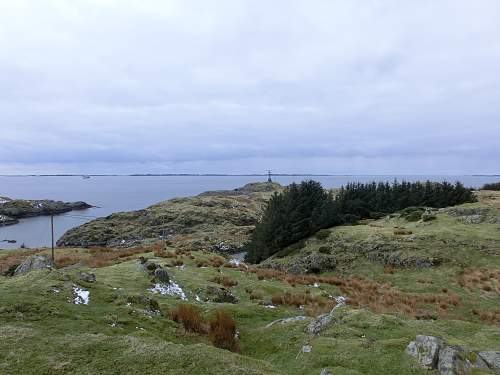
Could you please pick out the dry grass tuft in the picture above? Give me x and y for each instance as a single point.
(222, 331)
(224, 280)
(190, 318)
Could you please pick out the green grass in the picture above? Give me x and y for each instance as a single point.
(42, 332)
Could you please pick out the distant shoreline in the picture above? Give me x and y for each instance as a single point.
(236, 175)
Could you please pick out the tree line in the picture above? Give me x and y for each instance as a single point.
(303, 209)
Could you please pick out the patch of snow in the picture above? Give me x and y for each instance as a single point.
(181, 267)
(171, 289)
(306, 349)
(316, 285)
(341, 301)
(113, 324)
(82, 296)
(270, 306)
(235, 261)
(56, 290)
(197, 297)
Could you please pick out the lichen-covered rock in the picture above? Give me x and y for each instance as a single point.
(219, 295)
(87, 277)
(161, 276)
(313, 263)
(144, 303)
(426, 350)
(322, 321)
(287, 320)
(454, 360)
(34, 262)
(492, 359)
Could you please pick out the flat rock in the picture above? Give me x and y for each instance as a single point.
(492, 359)
(426, 350)
(34, 262)
(454, 360)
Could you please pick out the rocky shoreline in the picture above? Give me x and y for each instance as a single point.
(11, 210)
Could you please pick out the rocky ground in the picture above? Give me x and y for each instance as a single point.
(389, 296)
(13, 209)
(219, 221)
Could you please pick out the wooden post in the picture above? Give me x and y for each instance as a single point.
(52, 230)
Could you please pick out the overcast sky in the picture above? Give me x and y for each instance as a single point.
(356, 87)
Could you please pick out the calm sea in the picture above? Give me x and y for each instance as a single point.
(124, 193)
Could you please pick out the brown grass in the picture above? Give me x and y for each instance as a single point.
(224, 280)
(483, 279)
(190, 318)
(222, 331)
(488, 316)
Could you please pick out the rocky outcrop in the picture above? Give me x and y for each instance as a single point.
(426, 350)
(157, 272)
(322, 321)
(287, 320)
(34, 262)
(7, 220)
(215, 221)
(219, 295)
(87, 277)
(434, 353)
(13, 209)
(454, 360)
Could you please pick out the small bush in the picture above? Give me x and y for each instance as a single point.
(222, 331)
(190, 318)
(159, 250)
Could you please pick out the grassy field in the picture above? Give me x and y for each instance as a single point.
(42, 330)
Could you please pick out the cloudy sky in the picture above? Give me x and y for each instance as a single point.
(319, 86)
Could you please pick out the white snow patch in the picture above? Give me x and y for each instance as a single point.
(235, 261)
(270, 306)
(181, 267)
(316, 285)
(56, 290)
(171, 289)
(82, 296)
(197, 297)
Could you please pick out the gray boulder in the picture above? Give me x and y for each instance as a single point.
(161, 276)
(34, 262)
(322, 321)
(492, 359)
(88, 277)
(326, 371)
(454, 360)
(219, 295)
(287, 320)
(314, 263)
(426, 350)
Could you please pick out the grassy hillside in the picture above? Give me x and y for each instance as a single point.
(391, 299)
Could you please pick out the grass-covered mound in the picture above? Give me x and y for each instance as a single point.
(132, 325)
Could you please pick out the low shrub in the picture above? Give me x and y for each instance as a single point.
(190, 318)
(222, 331)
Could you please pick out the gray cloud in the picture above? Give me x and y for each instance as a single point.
(239, 86)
